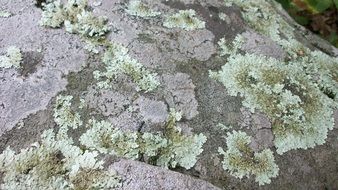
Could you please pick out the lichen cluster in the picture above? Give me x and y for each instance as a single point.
(298, 94)
(185, 19)
(301, 115)
(117, 61)
(57, 162)
(140, 9)
(12, 58)
(168, 150)
(5, 14)
(75, 16)
(241, 161)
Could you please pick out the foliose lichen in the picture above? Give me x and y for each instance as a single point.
(117, 61)
(5, 14)
(12, 58)
(64, 116)
(140, 9)
(54, 164)
(241, 161)
(168, 150)
(301, 114)
(75, 16)
(185, 19)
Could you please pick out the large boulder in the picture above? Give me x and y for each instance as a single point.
(189, 94)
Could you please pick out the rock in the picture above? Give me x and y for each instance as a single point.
(182, 62)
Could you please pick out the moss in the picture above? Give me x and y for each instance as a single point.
(240, 160)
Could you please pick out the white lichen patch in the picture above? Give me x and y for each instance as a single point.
(5, 14)
(75, 16)
(63, 114)
(301, 114)
(12, 58)
(56, 164)
(227, 48)
(241, 161)
(140, 9)
(185, 19)
(117, 61)
(169, 150)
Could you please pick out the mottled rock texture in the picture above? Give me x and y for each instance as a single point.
(55, 62)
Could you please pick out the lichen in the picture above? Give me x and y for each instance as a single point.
(301, 115)
(223, 127)
(241, 161)
(117, 61)
(12, 58)
(185, 19)
(140, 9)
(232, 48)
(64, 116)
(55, 164)
(75, 16)
(5, 14)
(171, 149)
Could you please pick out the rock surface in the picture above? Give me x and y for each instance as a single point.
(55, 62)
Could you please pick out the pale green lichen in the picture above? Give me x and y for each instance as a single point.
(5, 14)
(140, 9)
(91, 46)
(54, 164)
(223, 127)
(293, 93)
(65, 117)
(185, 19)
(117, 61)
(168, 150)
(231, 48)
(12, 58)
(301, 115)
(75, 16)
(63, 114)
(241, 161)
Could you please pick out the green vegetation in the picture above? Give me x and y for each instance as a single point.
(320, 16)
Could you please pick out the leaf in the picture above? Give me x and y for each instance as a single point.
(336, 3)
(318, 6)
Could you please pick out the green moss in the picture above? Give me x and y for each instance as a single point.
(240, 160)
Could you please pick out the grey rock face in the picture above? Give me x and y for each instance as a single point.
(55, 62)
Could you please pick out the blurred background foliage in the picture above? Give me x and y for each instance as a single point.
(320, 16)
